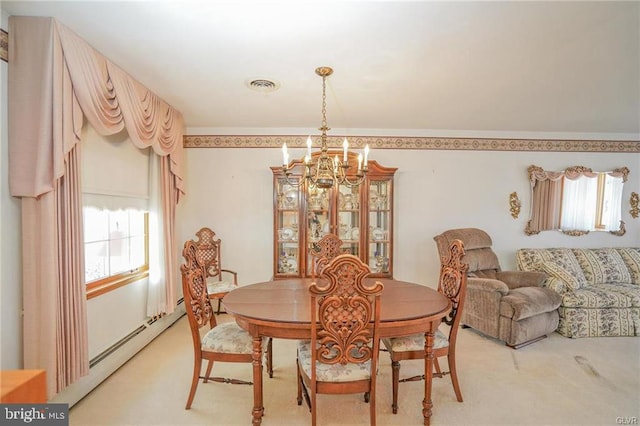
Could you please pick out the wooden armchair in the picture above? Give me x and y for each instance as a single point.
(208, 254)
(453, 284)
(225, 342)
(322, 252)
(342, 355)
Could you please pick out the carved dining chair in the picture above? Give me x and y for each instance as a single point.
(219, 281)
(328, 247)
(453, 284)
(342, 355)
(225, 342)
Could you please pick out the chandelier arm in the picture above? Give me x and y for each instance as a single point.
(353, 184)
(296, 183)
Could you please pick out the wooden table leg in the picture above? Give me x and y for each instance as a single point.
(258, 408)
(427, 404)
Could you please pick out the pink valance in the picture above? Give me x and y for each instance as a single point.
(107, 96)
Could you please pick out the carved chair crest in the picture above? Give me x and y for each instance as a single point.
(328, 247)
(208, 251)
(346, 311)
(453, 275)
(194, 286)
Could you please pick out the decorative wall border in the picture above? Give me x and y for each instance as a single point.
(428, 143)
(4, 45)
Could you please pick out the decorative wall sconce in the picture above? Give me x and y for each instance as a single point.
(514, 204)
(634, 205)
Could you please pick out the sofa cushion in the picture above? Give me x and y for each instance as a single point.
(602, 265)
(529, 259)
(631, 258)
(561, 263)
(525, 302)
(603, 296)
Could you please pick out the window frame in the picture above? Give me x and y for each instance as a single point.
(104, 285)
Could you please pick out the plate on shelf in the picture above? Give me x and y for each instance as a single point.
(291, 198)
(286, 234)
(355, 233)
(293, 264)
(377, 234)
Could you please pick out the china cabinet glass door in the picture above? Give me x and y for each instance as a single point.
(287, 224)
(348, 221)
(380, 226)
(319, 212)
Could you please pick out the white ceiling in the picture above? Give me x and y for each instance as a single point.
(516, 69)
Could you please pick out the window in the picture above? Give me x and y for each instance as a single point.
(591, 203)
(116, 247)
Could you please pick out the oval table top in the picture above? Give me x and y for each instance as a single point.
(286, 302)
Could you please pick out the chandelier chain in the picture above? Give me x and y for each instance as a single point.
(324, 104)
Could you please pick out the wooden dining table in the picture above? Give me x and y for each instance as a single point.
(280, 309)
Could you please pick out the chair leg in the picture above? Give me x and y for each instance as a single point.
(270, 358)
(299, 377)
(372, 407)
(208, 373)
(436, 365)
(395, 378)
(219, 306)
(197, 365)
(313, 407)
(451, 357)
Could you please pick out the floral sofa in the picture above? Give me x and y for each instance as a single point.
(600, 288)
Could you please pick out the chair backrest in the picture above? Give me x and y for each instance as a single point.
(482, 260)
(194, 289)
(453, 284)
(344, 327)
(323, 251)
(208, 250)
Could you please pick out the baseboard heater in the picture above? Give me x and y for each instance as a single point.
(106, 363)
(111, 349)
(94, 361)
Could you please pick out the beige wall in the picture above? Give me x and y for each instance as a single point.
(230, 190)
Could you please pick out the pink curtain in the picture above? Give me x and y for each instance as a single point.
(55, 79)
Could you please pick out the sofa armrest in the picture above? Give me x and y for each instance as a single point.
(516, 279)
(487, 285)
(557, 285)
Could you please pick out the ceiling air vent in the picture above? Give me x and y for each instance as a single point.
(263, 85)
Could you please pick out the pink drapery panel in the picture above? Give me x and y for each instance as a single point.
(55, 78)
(546, 201)
(43, 162)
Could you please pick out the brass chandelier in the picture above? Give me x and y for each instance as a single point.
(325, 172)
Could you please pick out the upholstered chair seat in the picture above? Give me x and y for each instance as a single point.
(216, 287)
(415, 342)
(332, 372)
(229, 338)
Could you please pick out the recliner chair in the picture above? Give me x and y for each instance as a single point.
(511, 306)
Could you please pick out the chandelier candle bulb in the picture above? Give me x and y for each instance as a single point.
(285, 155)
(366, 155)
(345, 145)
(359, 162)
(309, 142)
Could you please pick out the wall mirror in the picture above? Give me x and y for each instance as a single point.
(576, 201)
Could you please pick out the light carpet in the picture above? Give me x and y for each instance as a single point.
(557, 381)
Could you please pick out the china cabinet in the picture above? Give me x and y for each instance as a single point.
(361, 216)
